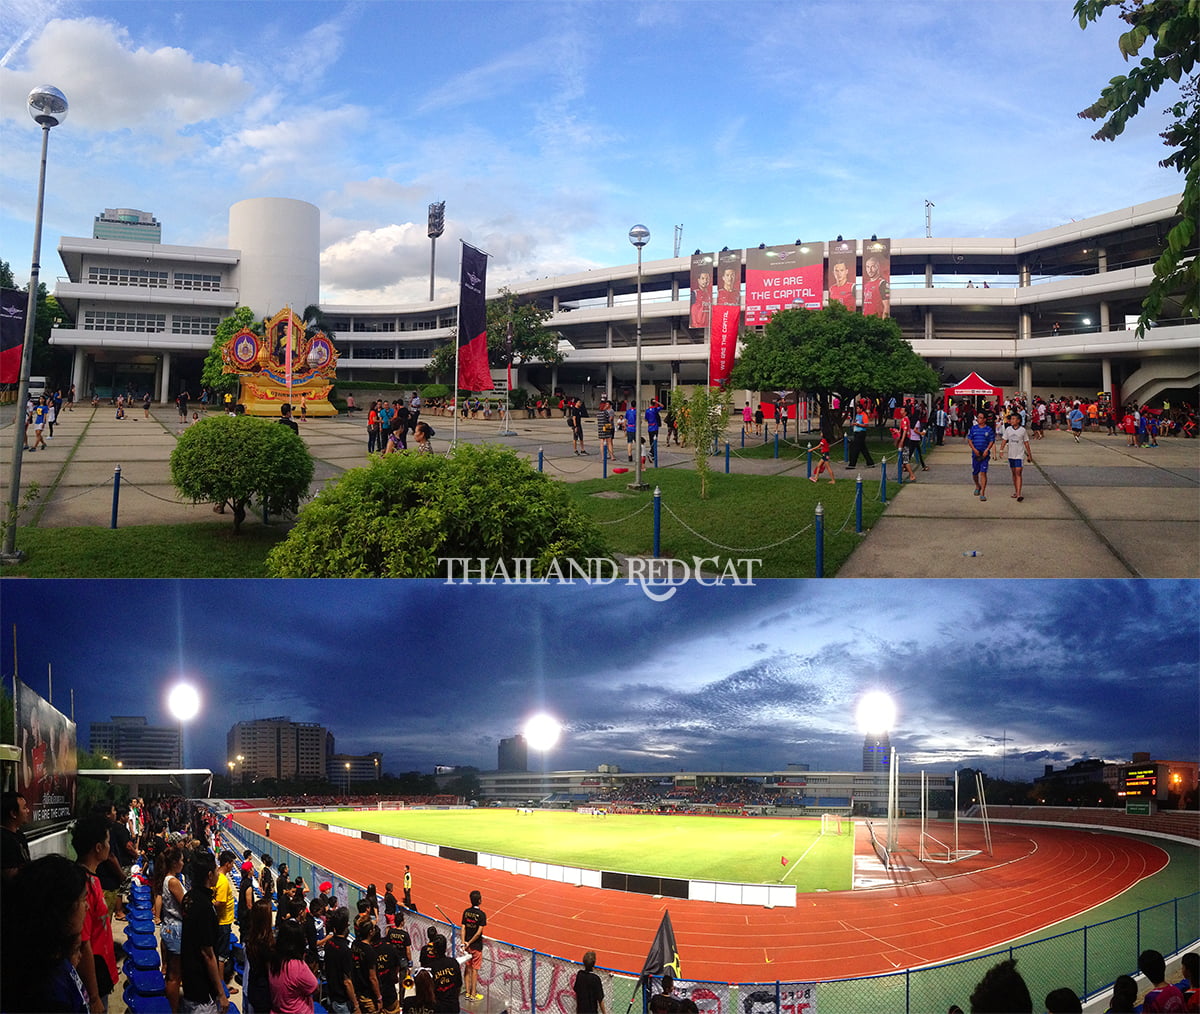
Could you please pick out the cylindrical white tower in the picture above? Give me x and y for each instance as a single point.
(280, 244)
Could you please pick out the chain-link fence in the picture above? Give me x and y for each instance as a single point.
(1085, 960)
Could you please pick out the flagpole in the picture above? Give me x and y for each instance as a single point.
(506, 422)
(288, 354)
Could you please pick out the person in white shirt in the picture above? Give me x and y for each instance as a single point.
(1016, 444)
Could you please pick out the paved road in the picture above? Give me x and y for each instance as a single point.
(1094, 509)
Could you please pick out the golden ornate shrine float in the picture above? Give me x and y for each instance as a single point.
(261, 364)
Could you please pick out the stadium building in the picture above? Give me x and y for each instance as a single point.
(843, 792)
(1047, 313)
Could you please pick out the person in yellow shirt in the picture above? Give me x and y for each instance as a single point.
(225, 903)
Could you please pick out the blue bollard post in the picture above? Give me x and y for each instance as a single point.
(604, 473)
(116, 494)
(808, 455)
(541, 456)
(657, 520)
(883, 482)
(743, 436)
(766, 435)
(655, 455)
(845, 447)
(777, 443)
(858, 528)
(820, 525)
(726, 457)
(900, 469)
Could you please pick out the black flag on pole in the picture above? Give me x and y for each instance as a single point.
(473, 372)
(664, 954)
(13, 305)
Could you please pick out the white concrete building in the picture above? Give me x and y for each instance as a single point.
(1055, 315)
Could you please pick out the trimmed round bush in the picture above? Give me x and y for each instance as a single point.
(237, 461)
(403, 512)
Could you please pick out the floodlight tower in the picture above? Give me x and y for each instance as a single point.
(437, 225)
(542, 733)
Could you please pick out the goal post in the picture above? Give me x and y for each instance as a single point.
(831, 823)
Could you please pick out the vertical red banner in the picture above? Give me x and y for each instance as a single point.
(877, 278)
(723, 343)
(701, 285)
(473, 372)
(841, 277)
(781, 278)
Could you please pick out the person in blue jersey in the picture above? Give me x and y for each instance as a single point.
(980, 439)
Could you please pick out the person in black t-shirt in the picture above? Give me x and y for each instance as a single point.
(447, 979)
(387, 969)
(14, 847)
(428, 952)
(473, 921)
(362, 957)
(589, 989)
(202, 983)
(339, 965)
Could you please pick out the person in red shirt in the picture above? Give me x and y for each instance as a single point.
(1164, 996)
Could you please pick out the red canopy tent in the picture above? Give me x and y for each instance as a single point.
(972, 386)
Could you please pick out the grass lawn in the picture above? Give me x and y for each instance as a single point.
(745, 517)
(734, 849)
(196, 549)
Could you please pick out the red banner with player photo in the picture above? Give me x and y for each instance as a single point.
(877, 278)
(840, 276)
(729, 278)
(782, 278)
(723, 346)
(701, 286)
(48, 765)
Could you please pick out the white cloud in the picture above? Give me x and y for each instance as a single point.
(113, 84)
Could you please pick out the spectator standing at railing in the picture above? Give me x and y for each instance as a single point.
(363, 962)
(203, 987)
(339, 965)
(389, 904)
(589, 988)
(473, 922)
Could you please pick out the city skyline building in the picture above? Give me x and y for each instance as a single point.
(513, 754)
(876, 753)
(127, 224)
(134, 742)
(278, 748)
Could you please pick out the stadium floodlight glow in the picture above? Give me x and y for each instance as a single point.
(542, 732)
(876, 712)
(183, 701)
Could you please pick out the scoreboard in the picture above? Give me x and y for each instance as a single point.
(1141, 782)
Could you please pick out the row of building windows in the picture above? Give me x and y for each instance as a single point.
(388, 352)
(124, 320)
(341, 325)
(206, 326)
(115, 274)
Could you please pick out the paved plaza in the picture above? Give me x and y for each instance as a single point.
(1094, 509)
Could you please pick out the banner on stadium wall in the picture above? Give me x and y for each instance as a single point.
(701, 286)
(48, 766)
(877, 278)
(723, 343)
(782, 277)
(841, 275)
(729, 278)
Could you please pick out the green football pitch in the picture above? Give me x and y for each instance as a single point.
(733, 849)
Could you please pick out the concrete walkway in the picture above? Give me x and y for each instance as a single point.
(1094, 509)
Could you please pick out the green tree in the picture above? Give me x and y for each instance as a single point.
(1171, 26)
(315, 322)
(213, 375)
(234, 461)
(403, 513)
(531, 341)
(702, 418)
(6, 276)
(828, 351)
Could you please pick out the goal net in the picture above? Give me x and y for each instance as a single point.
(393, 804)
(831, 823)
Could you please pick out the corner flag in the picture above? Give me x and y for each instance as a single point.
(664, 954)
(783, 860)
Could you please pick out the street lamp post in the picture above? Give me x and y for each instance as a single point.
(48, 107)
(241, 758)
(347, 778)
(639, 236)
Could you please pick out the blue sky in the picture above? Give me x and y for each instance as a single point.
(550, 128)
(713, 679)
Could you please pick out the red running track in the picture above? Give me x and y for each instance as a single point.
(1036, 877)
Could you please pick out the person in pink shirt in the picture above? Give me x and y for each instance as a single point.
(1164, 996)
(293, 984)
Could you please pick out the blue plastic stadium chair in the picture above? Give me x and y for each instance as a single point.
(147, 1004)
(143, 959)
(134, 938)
(146, 983)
